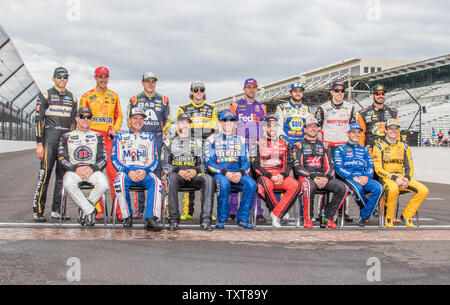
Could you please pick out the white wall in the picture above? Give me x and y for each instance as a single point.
(431, 164)
(10, 146)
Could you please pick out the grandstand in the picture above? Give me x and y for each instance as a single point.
(18, 93)
(408, 83)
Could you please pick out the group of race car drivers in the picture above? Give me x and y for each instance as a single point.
(279, 156)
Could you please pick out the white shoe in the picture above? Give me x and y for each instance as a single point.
(275, 220)
(55, 215)
(285, 218)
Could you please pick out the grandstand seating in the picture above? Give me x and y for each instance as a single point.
(436, 99)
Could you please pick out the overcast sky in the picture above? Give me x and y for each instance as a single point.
(218, 42)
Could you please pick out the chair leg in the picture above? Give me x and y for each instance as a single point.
(114, 210)
(164, 208)
(105, 208)
(61, 205)
(343, 212)
(381, 210)
(297, 212)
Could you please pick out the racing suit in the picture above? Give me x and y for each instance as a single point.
(107, 115)
(204, 123)
(184, 154)
(55, 115)
(334, 120)
(291, 119)
(353, 160)
(250, 117)
(392, 161)
(312, 159)
(275, 158)
(131, 152)
(157, 109)
(78, 149)
(227, 153)
(372, 121)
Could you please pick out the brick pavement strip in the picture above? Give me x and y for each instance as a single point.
(230, 235)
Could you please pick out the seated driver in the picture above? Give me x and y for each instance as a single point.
(82, 154)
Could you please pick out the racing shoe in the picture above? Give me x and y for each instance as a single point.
(285, 218)
(206, 226)
(152, 224)
(56, 215)
(408, 222)
(90, 219)
(173, 225)
(138, 215)
(81, 216)
(348, 218)
(185, 217)
(99, 216)
(220, 225)
(331, 224)
(275, 220)
(244, 225)
(128, 222)
(375, 213)
(231, 218)
(361, 223)
(308, 224)
(39, 218)
(261, 219)
(389, 223)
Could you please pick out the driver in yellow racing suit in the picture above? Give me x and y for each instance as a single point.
(393, 164)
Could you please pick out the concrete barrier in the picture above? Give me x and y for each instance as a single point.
(431, 164)
(10, 146)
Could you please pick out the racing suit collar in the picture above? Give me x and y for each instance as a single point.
(389, 142)
(353, 144)
(99, 92)
(198, 105)
(337, 106)
(153, 95)
(295, 105)
(61, 92)
(247, 101)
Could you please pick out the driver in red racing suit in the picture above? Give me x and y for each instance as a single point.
(272, 164)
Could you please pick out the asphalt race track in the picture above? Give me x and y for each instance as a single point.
(33, 253)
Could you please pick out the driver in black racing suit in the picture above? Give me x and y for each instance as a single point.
(184, 167)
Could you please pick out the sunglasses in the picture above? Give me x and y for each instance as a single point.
(339, 90)
(380, 93)
(229, 120)
(88, 116)
(62, 76)
(202, 90)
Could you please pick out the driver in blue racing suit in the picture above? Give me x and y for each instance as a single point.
(135, 156)
(355, 165)
(226, 158)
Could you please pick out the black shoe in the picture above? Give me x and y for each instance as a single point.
(152, 224)
(128, 222)
(348, 218)
(81, 216)
(206, 226)
(361, 223)
(138, 215)
(90, 219)
(173, 225)
(261, 219)
(231, 218)
(375, 213)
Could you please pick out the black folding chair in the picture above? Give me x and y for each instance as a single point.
(83, 186)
